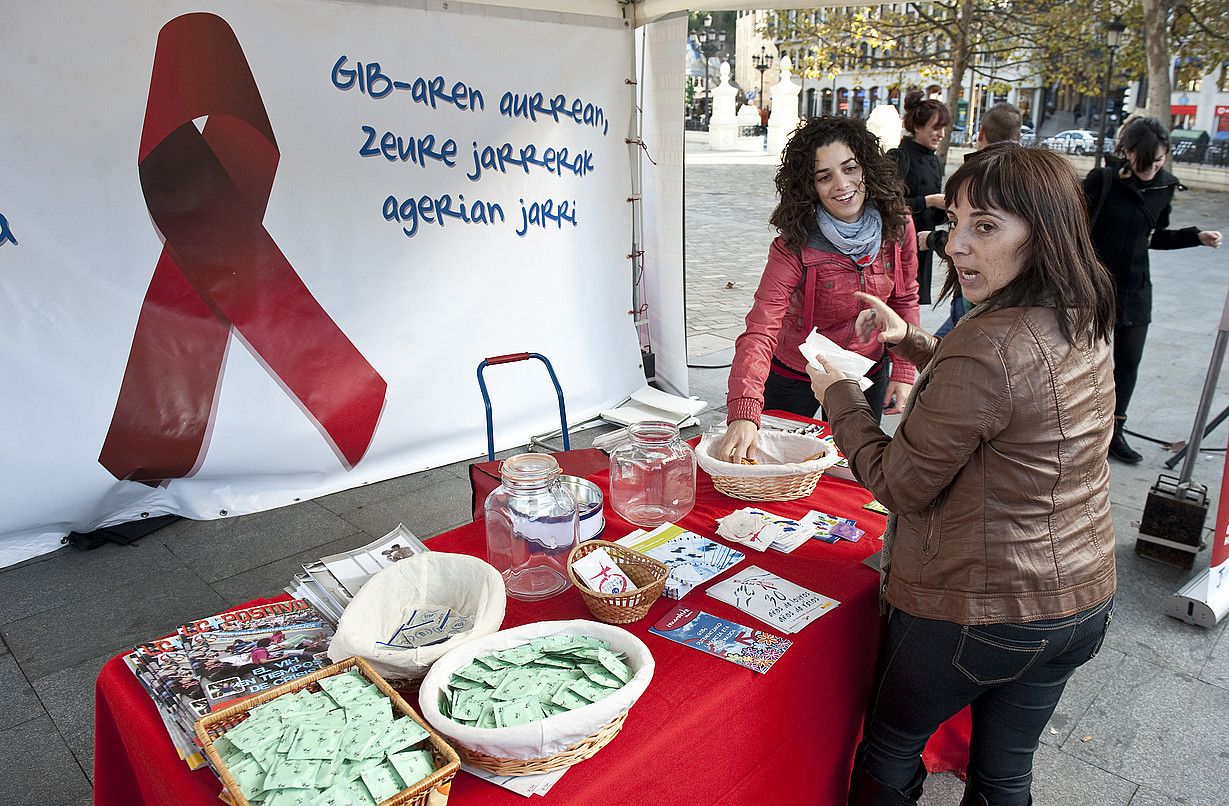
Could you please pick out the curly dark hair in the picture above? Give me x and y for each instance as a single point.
(794, 216)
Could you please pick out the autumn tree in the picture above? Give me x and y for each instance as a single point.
(1061, 41)
(1196, 32)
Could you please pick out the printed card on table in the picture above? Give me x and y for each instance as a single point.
(753, 649)
(772, 599)
(692, 559)
(829, 528)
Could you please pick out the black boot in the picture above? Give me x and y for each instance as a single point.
(867, 790)
(1119, 449)
(974, 798)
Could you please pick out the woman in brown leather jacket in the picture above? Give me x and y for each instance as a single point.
(999, 557)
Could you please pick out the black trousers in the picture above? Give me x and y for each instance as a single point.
(1128, 351)
(1012, 674)
(925, 272)
(795, 396)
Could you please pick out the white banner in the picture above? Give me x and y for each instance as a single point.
(251, 253)
(661, 48)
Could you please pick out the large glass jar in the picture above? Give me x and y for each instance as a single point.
(531, 527)
(653, 476)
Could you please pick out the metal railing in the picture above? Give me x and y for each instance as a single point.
(1213, 154)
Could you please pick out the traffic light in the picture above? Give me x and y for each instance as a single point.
(1128, 101)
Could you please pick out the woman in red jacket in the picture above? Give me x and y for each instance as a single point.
(843, 228)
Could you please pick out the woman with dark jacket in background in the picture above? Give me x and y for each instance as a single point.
(925, 120)
(1129, 204)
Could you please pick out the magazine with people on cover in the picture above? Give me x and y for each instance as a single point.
(234, 659)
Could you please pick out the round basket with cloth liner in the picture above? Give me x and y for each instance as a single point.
(787, 467)
(546, 744)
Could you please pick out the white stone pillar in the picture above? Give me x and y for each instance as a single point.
(722, 127)
(884, 122)
(784, 118)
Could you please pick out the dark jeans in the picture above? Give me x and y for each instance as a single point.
(1128, 351)
(959, 308)
(795, 396)
(1011, 674)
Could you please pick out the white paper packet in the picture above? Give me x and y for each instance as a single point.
(848, 362)
(597, 570)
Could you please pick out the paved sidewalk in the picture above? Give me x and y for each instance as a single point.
(1144, 724)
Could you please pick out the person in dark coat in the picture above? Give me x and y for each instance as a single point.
(925, 121)
(1129, 203)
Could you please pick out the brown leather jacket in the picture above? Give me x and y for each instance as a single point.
(997, 475)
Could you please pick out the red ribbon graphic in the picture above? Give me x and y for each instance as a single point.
(206, 192)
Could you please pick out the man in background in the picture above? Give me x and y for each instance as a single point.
(1000, 124)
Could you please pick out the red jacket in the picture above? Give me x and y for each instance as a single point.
(778, 321)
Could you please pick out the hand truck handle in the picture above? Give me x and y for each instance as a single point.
(486, 397)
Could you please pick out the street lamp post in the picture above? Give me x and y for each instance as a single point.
(1113, 31)
(762, 63)
(711, 43)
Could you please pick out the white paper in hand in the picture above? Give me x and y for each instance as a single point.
(850, 363)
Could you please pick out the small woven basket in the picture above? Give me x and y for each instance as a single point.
(647, 574)
(768, 488)
(214, 725)
(585, 748)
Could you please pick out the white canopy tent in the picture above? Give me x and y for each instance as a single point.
(388, 266)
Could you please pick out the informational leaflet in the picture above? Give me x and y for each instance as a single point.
(692, 559)
(750, 648)
(772, 599)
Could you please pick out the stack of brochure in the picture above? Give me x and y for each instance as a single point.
(208, 664)
(647, 403)
(692, 559)
(330, 583)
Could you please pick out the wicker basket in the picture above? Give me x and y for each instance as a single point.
(214, 725)
(580, 751)
(647, 574)
(768, 488)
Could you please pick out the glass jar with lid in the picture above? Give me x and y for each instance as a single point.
(653, 476)
(531, 527)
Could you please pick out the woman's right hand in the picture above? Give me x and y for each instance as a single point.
(879, 319)
(739, 442)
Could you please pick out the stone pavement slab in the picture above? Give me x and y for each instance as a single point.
(36, 767)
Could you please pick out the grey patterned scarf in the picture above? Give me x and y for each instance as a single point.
(860, 240)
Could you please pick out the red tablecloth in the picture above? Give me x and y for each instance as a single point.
(705, 731)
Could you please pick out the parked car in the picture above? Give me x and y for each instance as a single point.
(1028, 137)
(1076, 141)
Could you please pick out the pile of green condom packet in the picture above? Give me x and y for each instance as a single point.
(339, 747)
(539, 679)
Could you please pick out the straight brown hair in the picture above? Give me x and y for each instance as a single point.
(1061, 269)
